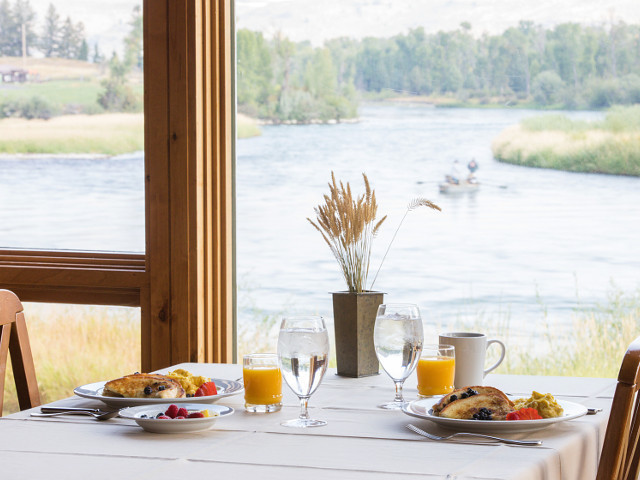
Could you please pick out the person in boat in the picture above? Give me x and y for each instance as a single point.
(456, 175)
(472, 166)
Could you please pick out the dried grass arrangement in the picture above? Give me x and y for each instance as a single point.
(348, 225)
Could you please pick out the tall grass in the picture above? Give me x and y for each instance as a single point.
(109, 134)
(74, 345)
(554, 141)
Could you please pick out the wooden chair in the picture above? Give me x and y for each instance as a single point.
(14, 339)
(620, 452)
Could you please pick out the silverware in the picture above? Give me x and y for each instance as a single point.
(99, 415)
(68, 409)
(593, 411)
(469, 434)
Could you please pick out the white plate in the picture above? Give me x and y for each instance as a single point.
(226, 388)
(173, 425)
(422, 409)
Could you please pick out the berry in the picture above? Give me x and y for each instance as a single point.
(464, 395)
(164, 417)
(196, 415)
(482, 414)
(182, 412)
(172, 411)
(147, 390)
(453, 398)
(178, 418)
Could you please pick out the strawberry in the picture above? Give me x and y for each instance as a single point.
(206, 389)
(172, 411)
(196, 415)
(182, 412)
(164, 417)
(524, 414)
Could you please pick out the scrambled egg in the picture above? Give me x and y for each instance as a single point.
(189, 382)
(545, 404)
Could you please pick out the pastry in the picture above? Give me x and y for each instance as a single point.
(144, 385)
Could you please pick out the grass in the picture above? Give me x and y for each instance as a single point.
(611, 146)
(74, 345)
(109, 134)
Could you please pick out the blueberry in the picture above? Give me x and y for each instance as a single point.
(464, 395)
(147, 390)
(160, 415)
(161, 387)
(453, 398)
(144, 415)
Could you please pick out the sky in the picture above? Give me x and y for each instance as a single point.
(107, 22)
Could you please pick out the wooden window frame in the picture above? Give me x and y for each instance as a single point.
(184, 282)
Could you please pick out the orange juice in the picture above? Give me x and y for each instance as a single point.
(262, 384)
(435, 375)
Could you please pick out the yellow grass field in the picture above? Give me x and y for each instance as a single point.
(111, 134)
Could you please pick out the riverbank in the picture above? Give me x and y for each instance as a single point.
(104, 135)
(611, 146)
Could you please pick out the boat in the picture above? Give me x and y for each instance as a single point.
(462, 187)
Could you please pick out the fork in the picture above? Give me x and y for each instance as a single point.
(95, 414)
(469, 434)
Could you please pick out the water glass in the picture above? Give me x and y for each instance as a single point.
(436, 370)
(303, 352)
(397, 338)
(262, 383)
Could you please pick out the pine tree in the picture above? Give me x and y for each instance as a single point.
(50, 38)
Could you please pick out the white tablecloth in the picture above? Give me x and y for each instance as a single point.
(360, 440)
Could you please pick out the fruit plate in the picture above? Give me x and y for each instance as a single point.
(93, 391)
(422, 409)
(144, 416)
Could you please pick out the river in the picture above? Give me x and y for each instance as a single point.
(531, 245)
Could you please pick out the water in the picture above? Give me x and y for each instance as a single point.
(304, 356)
(530, 252)
(547, 243)
(398, 343)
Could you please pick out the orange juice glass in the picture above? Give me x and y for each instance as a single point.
(436, 370)
(262, 383)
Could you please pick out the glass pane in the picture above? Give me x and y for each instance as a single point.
(71, 125)
(542, 257)
(92, 343)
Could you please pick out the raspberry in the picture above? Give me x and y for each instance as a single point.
(172, 411)
(178, 418)
(182, 412)
(196, 415)
(164, 417)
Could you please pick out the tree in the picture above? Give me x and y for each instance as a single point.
(50, 38)
(117, 95)
(547, 88)
(133, 56)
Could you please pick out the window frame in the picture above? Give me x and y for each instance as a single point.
(184, 282)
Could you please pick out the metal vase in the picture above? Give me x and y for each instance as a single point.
(354, 316)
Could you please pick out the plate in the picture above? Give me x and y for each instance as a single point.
(173, 425)
(422, 409)
(226, 388)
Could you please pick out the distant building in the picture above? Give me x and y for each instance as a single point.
(11, 74)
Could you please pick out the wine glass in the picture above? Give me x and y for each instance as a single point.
(303, 353)
(397, 338)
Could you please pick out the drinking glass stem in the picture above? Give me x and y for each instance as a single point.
(399, 398)
(304, 413)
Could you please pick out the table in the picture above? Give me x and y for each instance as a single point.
(360, 440)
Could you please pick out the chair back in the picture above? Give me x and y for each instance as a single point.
(620, 452)
(14, 339)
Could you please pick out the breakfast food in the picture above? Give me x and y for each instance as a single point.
(545, 404)
(191, 383)
(474, 403)
(489, 403)
(179, 413)
(143, 385)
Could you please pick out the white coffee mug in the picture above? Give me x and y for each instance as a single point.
(471, 349)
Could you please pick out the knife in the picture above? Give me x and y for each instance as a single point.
(69, 409)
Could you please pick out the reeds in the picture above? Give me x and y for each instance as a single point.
(348, 225)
